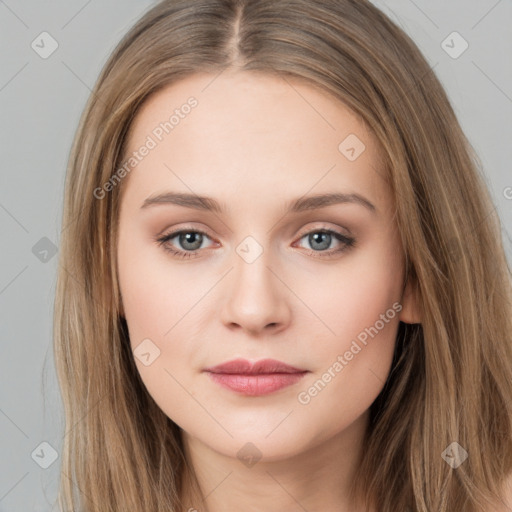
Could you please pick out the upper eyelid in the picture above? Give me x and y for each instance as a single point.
(188, 229)
(346, 241)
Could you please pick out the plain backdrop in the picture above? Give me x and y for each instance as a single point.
(41, 99)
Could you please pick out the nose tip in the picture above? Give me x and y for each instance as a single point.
(255, 298)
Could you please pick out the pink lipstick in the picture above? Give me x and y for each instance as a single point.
(254, 379)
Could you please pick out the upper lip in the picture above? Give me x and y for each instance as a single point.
(245, 367)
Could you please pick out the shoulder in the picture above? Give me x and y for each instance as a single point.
(506, 503)
(507, 496)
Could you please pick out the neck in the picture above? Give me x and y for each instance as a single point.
(319, 478)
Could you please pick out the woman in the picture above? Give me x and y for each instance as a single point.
(212, 356)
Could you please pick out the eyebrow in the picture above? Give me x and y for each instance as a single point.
(301, 204)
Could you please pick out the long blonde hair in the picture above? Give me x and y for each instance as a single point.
(451, 379)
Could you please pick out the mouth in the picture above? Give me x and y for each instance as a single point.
(254, 379)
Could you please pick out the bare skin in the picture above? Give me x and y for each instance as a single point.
(255, 144)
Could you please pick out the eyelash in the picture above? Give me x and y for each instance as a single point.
(348, 243)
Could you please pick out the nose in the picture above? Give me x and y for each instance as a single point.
(255, 297)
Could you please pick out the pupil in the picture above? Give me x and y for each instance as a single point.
(188, 238)
(314, 239)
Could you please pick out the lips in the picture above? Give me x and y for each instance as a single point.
(255, 379)
(245, 367)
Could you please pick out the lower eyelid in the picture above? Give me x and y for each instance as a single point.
(345, 241)
(167, 238)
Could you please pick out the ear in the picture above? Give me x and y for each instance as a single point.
(411, 312)
(121, 307)
(117, 296)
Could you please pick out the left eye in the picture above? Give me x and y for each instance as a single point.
(321, 239)
(192, 240)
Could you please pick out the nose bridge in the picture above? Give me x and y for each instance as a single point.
(251, 271)
(255, 297)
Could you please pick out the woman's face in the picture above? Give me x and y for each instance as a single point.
(262, 269)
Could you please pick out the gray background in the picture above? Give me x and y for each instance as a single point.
(41, 100)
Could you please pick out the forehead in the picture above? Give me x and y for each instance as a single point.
(245, 129)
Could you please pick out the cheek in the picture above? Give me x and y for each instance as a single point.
(155, 295)
(354, 295)
(353, 361)
(159, 306)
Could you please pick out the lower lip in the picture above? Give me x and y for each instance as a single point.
(256, 385)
